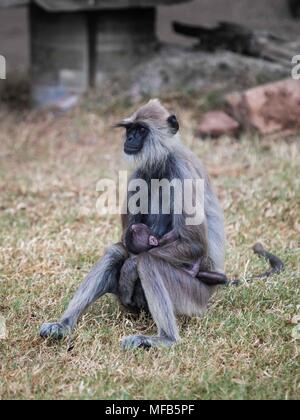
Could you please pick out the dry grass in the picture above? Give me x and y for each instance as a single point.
(50, 235)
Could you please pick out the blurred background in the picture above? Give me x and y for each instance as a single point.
(73, 69)
(67, 47)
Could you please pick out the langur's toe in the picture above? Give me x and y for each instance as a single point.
(54, 331)
(135, 342)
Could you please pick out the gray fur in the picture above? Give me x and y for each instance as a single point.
(127, 282)
(102, 279)
(163, 286)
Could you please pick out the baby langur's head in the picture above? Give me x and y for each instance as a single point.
(139, 238)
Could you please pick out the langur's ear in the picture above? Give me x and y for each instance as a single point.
(173, 124)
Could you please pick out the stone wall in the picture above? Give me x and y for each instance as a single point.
(122, 39)
(14, 39)
(60, 54)
(267, 14)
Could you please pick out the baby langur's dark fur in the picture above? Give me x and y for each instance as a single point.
(139, 238)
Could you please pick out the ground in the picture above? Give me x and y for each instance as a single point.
(245, 347)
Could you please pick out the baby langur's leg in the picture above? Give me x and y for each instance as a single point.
(127, 282)
(201, 270)
(212, 278)
(194, 269)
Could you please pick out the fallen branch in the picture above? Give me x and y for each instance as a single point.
(242, 40)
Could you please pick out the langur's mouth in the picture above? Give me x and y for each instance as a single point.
(132, 150)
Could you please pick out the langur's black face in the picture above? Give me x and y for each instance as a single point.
(138, 132)
(136, 135)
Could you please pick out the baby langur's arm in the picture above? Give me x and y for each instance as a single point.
(168, 238)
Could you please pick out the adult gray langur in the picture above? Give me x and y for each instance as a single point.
(165, 290)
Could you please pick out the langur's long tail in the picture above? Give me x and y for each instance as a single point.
(277, 266)
(212, 278)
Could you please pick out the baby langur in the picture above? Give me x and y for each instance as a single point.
(138, 239)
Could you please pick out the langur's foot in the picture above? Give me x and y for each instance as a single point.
(145, 342)
(55, 331)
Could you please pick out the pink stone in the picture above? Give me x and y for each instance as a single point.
(217, 123)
